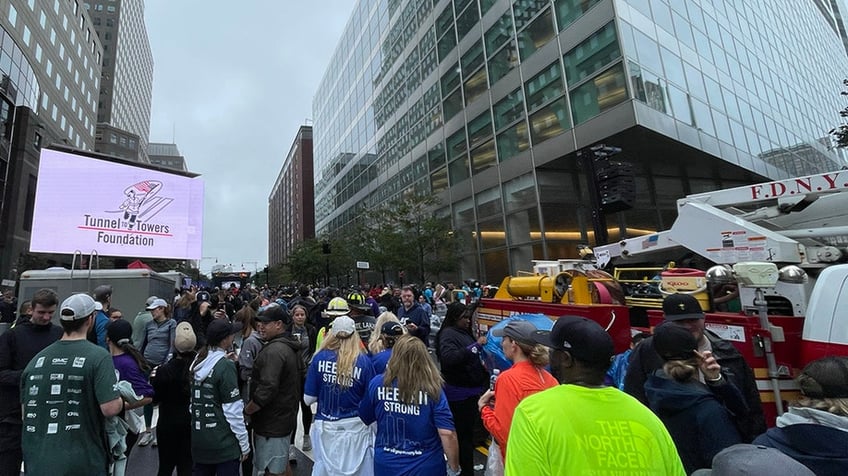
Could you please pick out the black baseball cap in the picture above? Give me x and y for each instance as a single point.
(391, 328)
(220, 329)
(272, 313)
(680, 307)
(583, 338)
(674, 342)
(119, 331)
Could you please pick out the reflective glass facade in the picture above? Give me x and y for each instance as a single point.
(485, 103)
(51, 57)
(19, 83)
(758, 77)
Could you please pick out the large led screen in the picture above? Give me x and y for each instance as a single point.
(89, 204)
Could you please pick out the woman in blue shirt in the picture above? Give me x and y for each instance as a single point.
(337, 379)
(414, 423)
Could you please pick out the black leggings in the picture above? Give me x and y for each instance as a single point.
(305, 416)
(174, 449)
(465, 415)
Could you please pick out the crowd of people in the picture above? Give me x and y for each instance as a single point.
(231, 371)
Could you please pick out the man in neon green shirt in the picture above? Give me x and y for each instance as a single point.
(582, 427)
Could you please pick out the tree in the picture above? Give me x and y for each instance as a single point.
(840, 133)
(305, 264)
(429, 247)
(380, 245)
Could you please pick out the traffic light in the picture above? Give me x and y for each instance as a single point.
(615, 179)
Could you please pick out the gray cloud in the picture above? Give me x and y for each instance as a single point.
(233, 82)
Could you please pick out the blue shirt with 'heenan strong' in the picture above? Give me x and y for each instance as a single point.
(336, 402)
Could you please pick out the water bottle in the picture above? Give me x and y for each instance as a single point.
(493, 378)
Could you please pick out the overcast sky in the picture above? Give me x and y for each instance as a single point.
(232, 84)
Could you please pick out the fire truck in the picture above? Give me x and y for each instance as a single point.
(778, 289)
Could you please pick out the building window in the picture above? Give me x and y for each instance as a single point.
(110, 9)
(475, 86)
(513, 141)
(452, 105)
(567, 11)
(113, 138)
(536, 35)
(499, 33)
(13, 16)
(592, 54)
(544, 87)
(599, 94)
(485, 5)
(503, 62)
(473, 58)
(550, 121)
(466, 20)
(27, 35)
(509, 109)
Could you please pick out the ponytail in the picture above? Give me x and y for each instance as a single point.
(128, 348)
(201, 356)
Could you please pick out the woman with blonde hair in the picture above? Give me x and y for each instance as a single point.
(415, 428)
(815, 429)
(699, 415)
(182, 308)
(526, 377)
(375, 345)
(337, 379)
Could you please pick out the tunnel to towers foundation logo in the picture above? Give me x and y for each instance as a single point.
(134, 222)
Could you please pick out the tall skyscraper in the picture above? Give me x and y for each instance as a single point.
(126, 88)
(50, 63)
(291, 209)
(487, 103)
(167, 155)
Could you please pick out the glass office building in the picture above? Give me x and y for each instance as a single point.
(485, 103)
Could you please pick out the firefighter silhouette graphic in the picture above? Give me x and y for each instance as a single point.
(141, 202)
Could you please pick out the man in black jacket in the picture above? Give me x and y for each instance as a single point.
(684, 310)
(275, 392)
(17, 347)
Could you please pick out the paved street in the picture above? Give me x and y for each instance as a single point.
(144, 460)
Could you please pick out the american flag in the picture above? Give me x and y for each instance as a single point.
(145, 186)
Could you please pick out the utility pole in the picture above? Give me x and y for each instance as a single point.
(325, 249)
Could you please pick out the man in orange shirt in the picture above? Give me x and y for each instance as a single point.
(526, 377)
